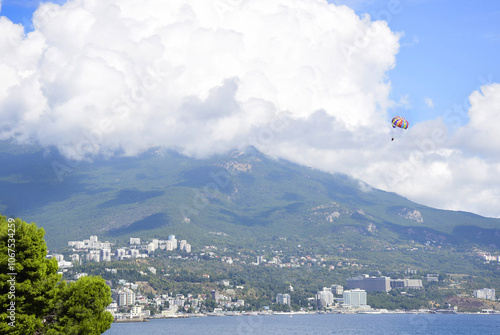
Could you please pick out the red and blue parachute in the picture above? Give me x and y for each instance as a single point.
(399, 122)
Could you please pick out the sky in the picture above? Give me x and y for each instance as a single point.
(310, 81)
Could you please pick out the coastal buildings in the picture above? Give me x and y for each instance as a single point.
(337, 289)
(354, 299)
(371, 284)
(125, 297)
(325, 298)
(283, 299)
(96, 251)
(406, 283)
(485, 293)
(91, 243)
(382, 284)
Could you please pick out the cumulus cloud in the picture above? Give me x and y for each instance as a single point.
(115, 76)
(304, 80)
(480, 135)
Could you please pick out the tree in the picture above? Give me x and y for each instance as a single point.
(29, 287)
(210, 305)
(81, 308)
(33, 298)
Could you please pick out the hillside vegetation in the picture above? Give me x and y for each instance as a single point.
(248, 198)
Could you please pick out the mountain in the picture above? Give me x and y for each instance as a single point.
(244, 200)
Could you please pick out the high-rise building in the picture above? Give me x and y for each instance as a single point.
(94, 255)
(283, 299)
(382, 284)
(182, 244)
(171, 242)
(169, 245)
(337, 289)
(354, 298)
(125, 297)
(325, 297)
(371, 284)
(106, 255)
(151, 247)
(120, 253)
(215, 294)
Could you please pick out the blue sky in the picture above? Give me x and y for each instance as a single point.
(449, 49)
(19, 11)
(116, 77)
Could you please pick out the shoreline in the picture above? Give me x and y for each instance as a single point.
(292, 314)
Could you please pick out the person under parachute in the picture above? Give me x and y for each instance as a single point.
(399, 122)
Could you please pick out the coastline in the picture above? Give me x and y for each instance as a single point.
(292, 314)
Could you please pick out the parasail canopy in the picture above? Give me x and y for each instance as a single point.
(399, 122)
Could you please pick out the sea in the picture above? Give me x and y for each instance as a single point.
(345, 324)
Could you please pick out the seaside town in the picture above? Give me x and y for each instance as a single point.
(134, 301)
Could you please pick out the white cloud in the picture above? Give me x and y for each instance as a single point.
(178, 73)
(480, 135)
(298, 79)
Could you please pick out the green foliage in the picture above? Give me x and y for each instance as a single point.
(395, 299)
(210, 304)
(35, 276)
(80, 308)
(157, 192)
(33, 298)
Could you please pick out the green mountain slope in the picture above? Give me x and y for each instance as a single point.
(242, 200)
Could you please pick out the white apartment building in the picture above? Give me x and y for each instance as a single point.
(354, 299)
(106, 255)
(170, 245)
(135, 240)
(337, 289)
(92, 243)
(151, 248)
(173, 239)
(325, 297)
(93, 256)
(125, 297)
(120, 254)
(485, 293)
(136, 311)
